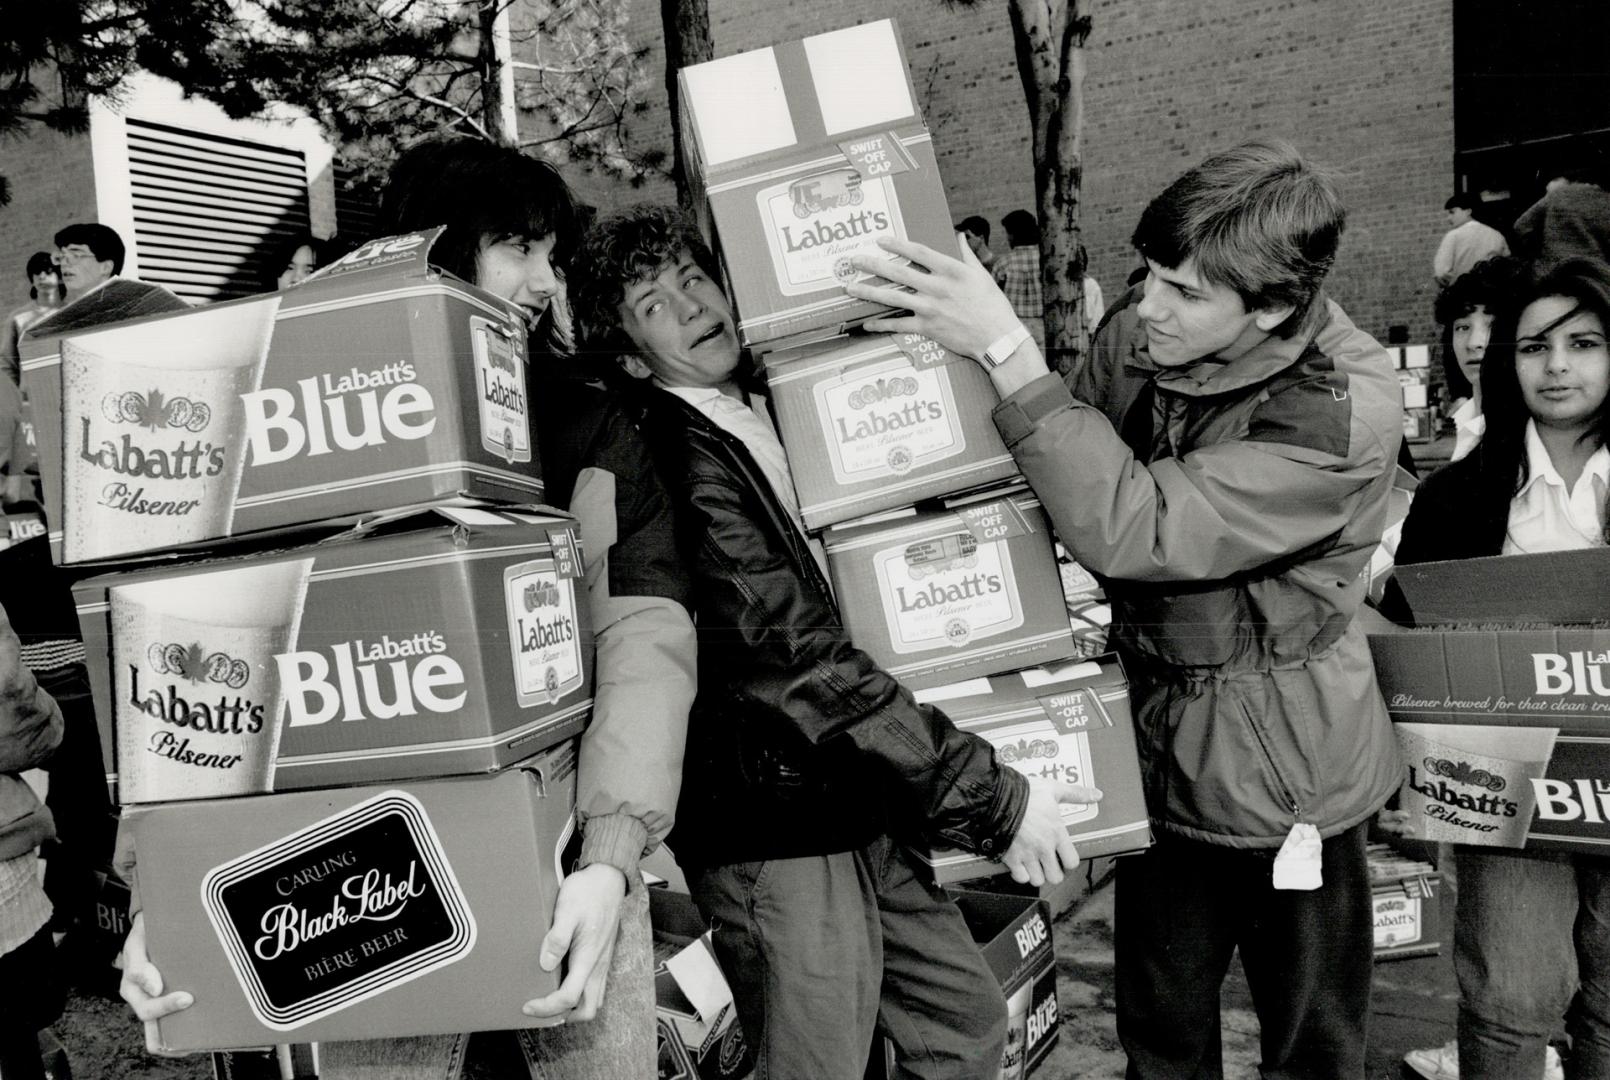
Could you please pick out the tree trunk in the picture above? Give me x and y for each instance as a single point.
(491, 65)
(686, 25)
(1049, 37)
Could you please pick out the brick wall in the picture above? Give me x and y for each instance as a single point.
(1362, 87)
(52, 184)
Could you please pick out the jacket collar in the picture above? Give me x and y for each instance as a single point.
(1210, 376)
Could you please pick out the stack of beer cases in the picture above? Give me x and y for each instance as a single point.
(345, 752)
(1407, 905)
(943, 563)
(1414, 377)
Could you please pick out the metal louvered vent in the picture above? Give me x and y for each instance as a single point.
(210, 209)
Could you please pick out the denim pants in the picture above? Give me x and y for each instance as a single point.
(823, 952)
(1531, 930)
(617, 1044)
(1183, 908)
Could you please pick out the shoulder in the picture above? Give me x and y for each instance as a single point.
(1341, 386)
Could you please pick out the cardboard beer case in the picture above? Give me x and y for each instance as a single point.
(449, 641)
(1406, 905)
(414, 908)
(380, 383)
(695, 1017)
(1014, 934)
(808, 152)
(957, 592)
(1502, 704)
(1070, 724)
(882, 421)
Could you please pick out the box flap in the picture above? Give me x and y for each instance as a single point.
(699, 977)
(1554, 587)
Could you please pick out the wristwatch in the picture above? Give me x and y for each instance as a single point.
(1005, 345)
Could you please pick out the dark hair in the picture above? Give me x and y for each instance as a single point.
(620, 249)
(279, 257)
(102, 241)
(975, 225)
(1022, 229)
(481, 192)
(38, 263)
(1257, 218)
(1503, 448)
(1491, 284)
(1462, 201)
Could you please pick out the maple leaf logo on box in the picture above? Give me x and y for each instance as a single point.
(196, 664)
(1465, 773)
(151, 410)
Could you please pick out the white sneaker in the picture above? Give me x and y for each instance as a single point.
(1442, 1062)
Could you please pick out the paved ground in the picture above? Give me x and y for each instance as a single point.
(1413, 1006)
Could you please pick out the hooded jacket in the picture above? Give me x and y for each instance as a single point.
(1233, 522)
(798, 743)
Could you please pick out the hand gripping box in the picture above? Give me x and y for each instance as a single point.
(1503, 704)
(1069, 724)
(357, 913)
(807, 153)
(936, 596)
(381, 383)
(449, 641)
(882, 421)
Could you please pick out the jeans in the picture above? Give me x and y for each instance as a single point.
(822, 952)
(1531, 930)
(618, 1044)
(1184, 907)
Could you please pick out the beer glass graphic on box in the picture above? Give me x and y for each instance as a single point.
(153, 428)
(196, 691)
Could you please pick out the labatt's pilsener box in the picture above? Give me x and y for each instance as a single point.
(1503, 705)
(936, 596)
(881, 421)
(459, 643)
(809, 152)
(356, 913)
(380, 383)
(1070, 724)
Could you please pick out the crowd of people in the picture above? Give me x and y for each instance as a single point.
(1221, 457)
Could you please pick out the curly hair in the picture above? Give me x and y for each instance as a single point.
(620, 249)
(1491, 285)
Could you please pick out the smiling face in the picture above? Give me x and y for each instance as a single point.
(519, 268)
(681, 322)
(1188, 319)
(1471, 333)
(1562, 363)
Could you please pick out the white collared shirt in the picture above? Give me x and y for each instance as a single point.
(1544, 516)
(1469, 425)
(752, 425)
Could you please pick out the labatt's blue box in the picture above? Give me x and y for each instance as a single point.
(1502, 701)
(805, 154)
(878, 421)
(381, 383)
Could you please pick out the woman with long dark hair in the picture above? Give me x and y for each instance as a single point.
(1532, 928)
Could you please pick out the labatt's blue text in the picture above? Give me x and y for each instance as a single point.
(360, 679)
(387, 401)
(1578, 673)
(819, 232)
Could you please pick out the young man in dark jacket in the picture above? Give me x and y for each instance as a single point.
(803, 755)
(1223, 459)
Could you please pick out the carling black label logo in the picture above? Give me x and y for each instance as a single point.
(339, 912)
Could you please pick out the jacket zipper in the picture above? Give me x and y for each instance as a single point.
(1274, 771)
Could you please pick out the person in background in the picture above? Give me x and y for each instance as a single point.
(293, 261)
(1531, 928)
(1465, 311)
(515, 241)
(976, 230)
(1018, 273)
(44, 296)
(805, 759)
(30, 729)
(1467, 242)
(1571, 221)
(91, 258)
(1223, 460)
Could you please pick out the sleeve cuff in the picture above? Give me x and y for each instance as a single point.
(1016, 416)
(617, 840)
(1012, 802)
